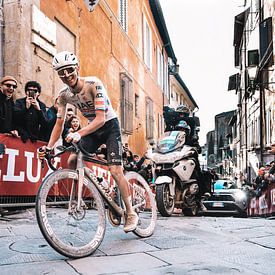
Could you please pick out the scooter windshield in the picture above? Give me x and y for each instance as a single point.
(171, 141)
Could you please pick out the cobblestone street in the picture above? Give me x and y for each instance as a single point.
(180, 245)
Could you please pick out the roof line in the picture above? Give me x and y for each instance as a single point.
(161, 25)
(179, 79)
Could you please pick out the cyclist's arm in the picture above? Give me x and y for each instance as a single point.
(58, 127)
(100, 108)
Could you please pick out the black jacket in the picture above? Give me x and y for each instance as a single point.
(6, 114)
(31, 123)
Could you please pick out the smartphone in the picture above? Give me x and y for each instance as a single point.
(31, 94)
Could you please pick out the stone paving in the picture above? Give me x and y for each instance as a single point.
(180, 245)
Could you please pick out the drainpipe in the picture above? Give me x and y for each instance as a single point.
(1, 38)
(262, 98)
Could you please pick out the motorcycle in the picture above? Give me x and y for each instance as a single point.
(175, 170)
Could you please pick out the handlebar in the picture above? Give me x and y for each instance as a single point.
(74, 147)
(49, 155)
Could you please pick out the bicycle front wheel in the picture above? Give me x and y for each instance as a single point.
(71, 230)
(143, 201)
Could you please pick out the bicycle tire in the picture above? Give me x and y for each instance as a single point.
(144, 203)
(74, 235)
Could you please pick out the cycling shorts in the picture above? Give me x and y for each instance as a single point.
(108, 134)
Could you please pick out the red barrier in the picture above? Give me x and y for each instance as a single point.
(265, 204)
(21, 173)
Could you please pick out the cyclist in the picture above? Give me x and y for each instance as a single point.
(90, 97)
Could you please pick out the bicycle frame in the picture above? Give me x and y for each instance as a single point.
(83, 171)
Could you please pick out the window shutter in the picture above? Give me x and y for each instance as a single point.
(149, 118)
(266, 45)
(126, 104)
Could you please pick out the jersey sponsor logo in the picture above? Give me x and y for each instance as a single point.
(99, 95)
(85, 105)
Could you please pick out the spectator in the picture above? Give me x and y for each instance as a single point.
(270, 174)
(30, 114)
(146, 171)
(69, 113)
(51, 118)
(138, 162)
(8, 85)
(127, 155)
(73, 125)
(214, 175)
(260, 182)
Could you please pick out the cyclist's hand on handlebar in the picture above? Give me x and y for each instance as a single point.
(42, 151)
(73, 137)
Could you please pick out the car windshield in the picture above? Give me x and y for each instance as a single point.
(170, 141)
(224, 184)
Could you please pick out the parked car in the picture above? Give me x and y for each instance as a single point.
(227, 199)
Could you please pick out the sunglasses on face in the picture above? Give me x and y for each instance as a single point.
(32, 90)
(10, 85)
(69, 71)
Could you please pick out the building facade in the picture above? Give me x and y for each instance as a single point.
(220, 155)
(254, 84)
(125, 43)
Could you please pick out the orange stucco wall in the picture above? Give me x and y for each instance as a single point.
(105, 50)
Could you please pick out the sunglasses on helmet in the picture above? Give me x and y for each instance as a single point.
(69, 71)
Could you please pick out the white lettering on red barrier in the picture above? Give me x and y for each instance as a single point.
(10, 176)
(30, 159)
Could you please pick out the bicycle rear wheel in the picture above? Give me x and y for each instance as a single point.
(70, 231)
(143, 201)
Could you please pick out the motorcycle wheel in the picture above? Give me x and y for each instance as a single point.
(165, 202)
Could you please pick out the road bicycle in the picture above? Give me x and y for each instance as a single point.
(71, 206)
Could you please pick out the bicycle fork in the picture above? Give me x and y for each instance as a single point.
(80, 205)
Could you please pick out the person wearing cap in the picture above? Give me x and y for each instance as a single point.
(31, 114)
(8, 85)
(90, 97)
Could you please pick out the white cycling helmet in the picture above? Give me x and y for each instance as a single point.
(64, 59)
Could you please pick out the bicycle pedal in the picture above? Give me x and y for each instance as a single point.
(113, 218)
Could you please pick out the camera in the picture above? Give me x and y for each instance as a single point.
(31, 93)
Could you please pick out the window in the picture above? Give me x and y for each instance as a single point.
(149, 118)
(165, 79)
(147, 44)
(258, 131)
(123, 10)
(126, 104)
(160, 68)
(268, 126)
(136, 106)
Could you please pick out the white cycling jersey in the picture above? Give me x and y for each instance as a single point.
(88, 103)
